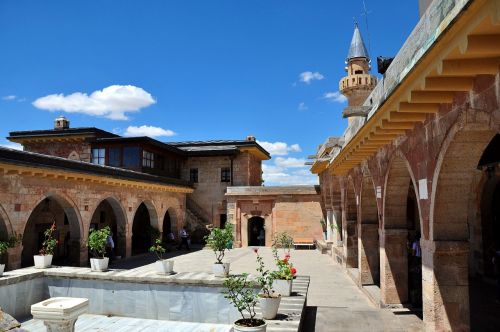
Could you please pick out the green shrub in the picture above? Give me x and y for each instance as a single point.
(158, 249)
(97, 241)
(218, 240)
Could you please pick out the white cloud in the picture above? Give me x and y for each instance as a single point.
(284, 176)
(11, 145)
(279, 148)
(148, 131)
(308, 76)
(335, 97)
(9, 97)
(290, 162)
(112, 102)
(302, 107)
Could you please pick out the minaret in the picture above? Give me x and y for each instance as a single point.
(358, 83)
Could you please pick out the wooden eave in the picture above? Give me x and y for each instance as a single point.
(468, 47)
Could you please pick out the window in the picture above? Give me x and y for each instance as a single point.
(148, 159)
(131, 157)
(225, 174)
(115, 157)
(193, 175)
(98, 156)
(358, 72)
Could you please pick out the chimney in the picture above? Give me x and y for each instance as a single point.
(251, 138)
(61, 123)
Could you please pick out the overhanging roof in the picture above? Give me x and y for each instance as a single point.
(448, 48)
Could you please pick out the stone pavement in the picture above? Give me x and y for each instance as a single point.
(335, 303)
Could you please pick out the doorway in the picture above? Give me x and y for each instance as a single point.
(256, 232)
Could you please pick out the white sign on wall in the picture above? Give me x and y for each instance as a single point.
(379, 192)
(422, 189)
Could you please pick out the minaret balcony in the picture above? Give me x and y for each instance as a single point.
(366, 81)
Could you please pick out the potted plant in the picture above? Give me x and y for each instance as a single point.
(243, 297)
(44, 257)
(269, 299)
(97, 245)
(218, 240)
(163, 266)
(284, 275)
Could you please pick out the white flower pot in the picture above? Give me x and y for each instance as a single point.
(2, 268)
(164, 266)
(269, 306)
(282, 286)
(42, 261)
(239, 328)
(99, 264)
(220, 270)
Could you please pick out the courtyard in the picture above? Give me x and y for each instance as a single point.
(334, 302)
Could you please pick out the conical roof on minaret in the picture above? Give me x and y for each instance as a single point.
(358, 48)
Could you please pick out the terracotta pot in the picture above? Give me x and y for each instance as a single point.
(239, 328)
(164, 266)
(42, 261)
(282, 286)
(269, 306)
(221, 270)
(99, 264)
(2, 268)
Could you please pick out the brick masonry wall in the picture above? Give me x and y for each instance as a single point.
(80, 150)
(20, 195)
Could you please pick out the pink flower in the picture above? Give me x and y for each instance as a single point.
(287, 256)
(255, 250)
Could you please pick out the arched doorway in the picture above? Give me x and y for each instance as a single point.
(110, 213)
(4, 235)
(256, 232)
(53, 209)
(142, 230)
(399, 264)
(169, 226)
(350, 229)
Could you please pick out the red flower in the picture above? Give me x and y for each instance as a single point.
(293, 270)
(285, 260)
(287, 256)
(255, 250)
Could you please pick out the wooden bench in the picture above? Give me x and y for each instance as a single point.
(303, 242)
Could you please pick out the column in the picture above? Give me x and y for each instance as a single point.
(329, 225)
(14, 257)
(368, 260)
(393, 267)
(445, 285)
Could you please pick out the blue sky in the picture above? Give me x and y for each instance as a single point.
(191, 70)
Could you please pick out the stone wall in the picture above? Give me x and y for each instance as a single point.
(295, 212)
(71, 150)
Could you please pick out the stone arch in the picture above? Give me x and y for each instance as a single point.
(350, 238)
(6, 230)
(394, 263)
(454, 189)
(46, 211)
(368, 233)
(144, 227)
(170, 223)
(117, 222)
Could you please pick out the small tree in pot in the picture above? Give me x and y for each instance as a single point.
(240, 293)
(97, 245)
(163, 266)
(45, 254)
(269, 300)
(218, 240)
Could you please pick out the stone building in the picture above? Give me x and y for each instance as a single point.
(88, 178)
(419, 163)
(261, 212)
